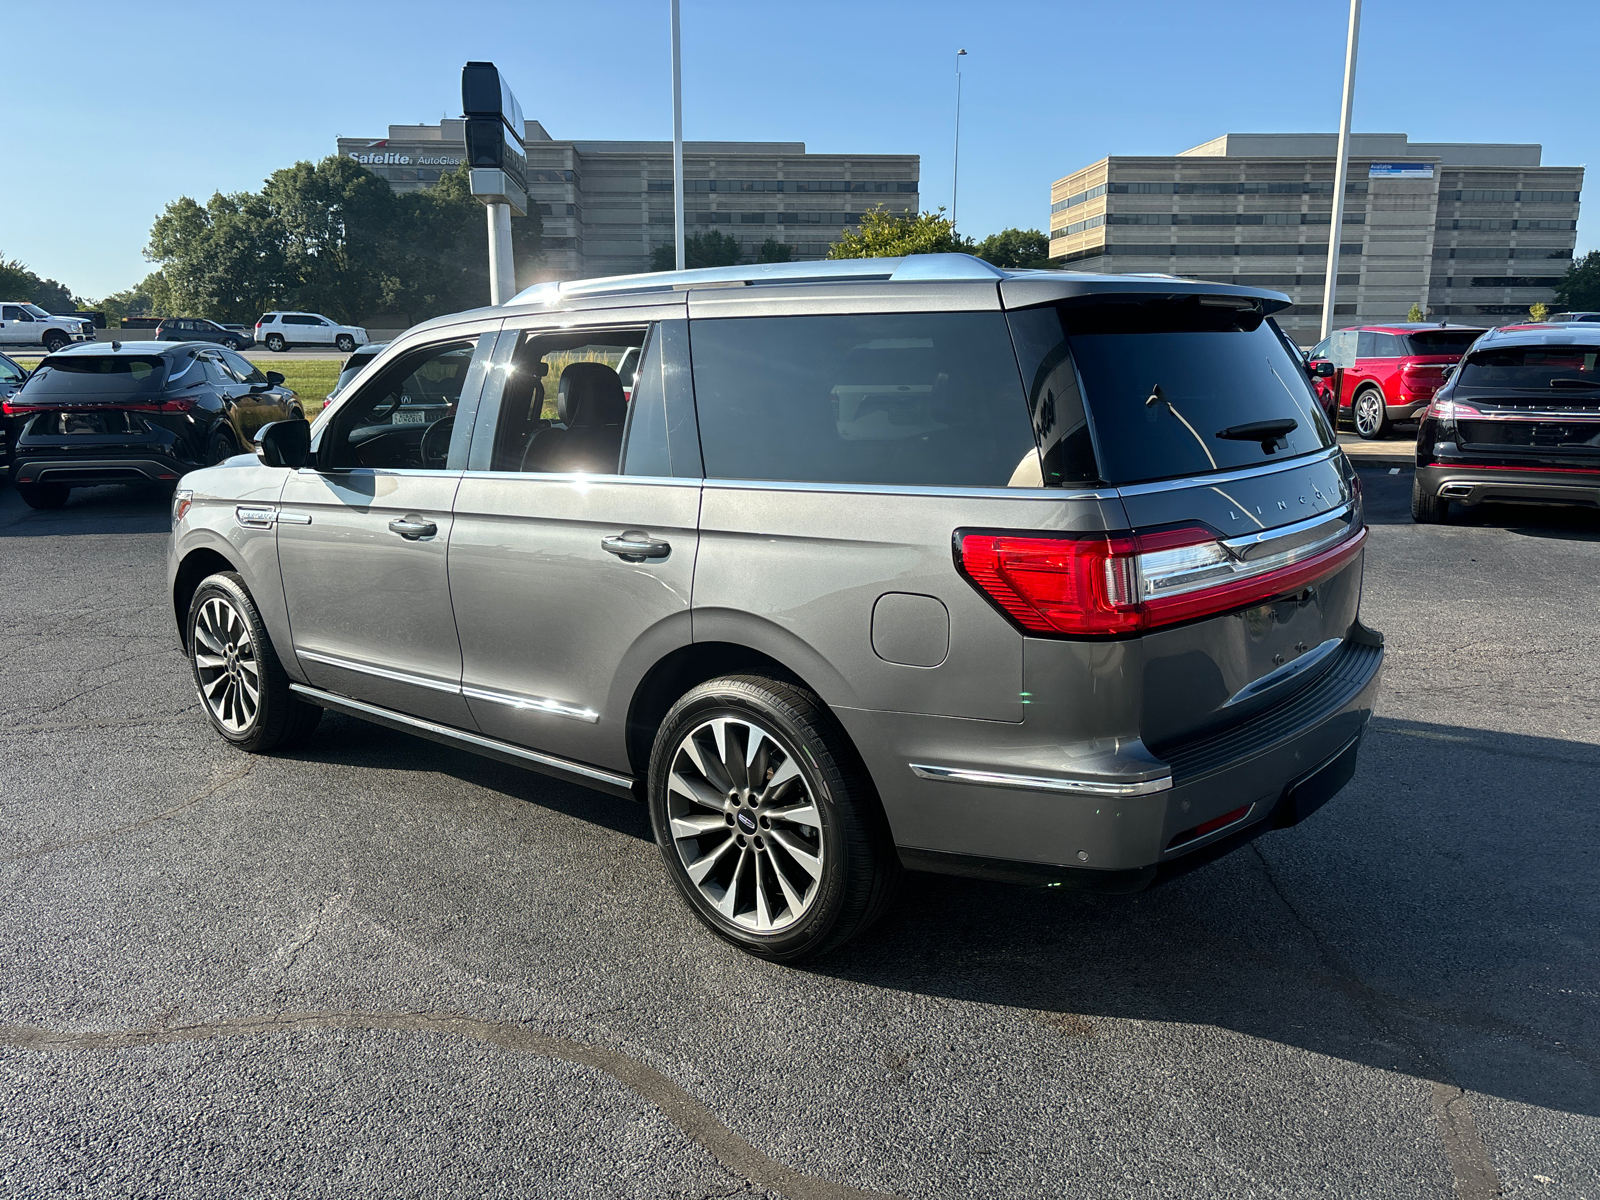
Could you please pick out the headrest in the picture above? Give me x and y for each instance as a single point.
(591, 395)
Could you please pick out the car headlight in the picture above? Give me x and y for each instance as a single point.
(182, 498)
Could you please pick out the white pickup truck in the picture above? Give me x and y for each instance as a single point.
(30, 325)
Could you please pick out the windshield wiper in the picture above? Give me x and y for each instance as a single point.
(1271, 434)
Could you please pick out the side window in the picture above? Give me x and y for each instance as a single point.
(1390, 346)
(1322, 349)
(8, 312)
(404, 419)
(1367, 345)
(645, 450)
(242, 369)
(1055, 402)
(921, 399)
(214, 369)
(562, 407)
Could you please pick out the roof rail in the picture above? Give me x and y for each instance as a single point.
(916, 267)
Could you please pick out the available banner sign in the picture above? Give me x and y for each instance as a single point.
(1400, 170)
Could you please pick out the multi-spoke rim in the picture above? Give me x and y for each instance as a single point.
(1369, 413)
(225, 665)
(746, 824)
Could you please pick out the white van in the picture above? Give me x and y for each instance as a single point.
(280, 330)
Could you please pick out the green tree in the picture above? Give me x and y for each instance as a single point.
(1579, 289)
(1539, 312)
(714, 249)
(150, 297)
(18, 283)
(1415, 313)
(772, 250)
(1023, 249)
(883, 234)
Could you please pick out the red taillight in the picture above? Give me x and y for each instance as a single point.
(1104, 585)
(16, 408)
(176, 404)
(1449, 410)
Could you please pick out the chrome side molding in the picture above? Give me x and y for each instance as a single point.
(544, 704)
(597, 777)
(1041, 783)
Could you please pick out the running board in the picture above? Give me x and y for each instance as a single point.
(548, 764)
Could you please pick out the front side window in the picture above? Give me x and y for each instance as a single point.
(10, 372)
(920, 399)
(1170, 388)
(405, 418)
(242, 369)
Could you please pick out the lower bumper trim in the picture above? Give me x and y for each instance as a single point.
(1042, 783)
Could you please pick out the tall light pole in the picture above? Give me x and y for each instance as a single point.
(677, 138)
(1341, 171)
(955, 159)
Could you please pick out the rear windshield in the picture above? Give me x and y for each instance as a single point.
(1533, 368)
(1442, 341)
(1156, 388)
(918, 399)
(98, 373)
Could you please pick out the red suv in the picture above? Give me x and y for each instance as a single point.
(1386, 373)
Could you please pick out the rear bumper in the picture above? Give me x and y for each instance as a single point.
(1161, 814)
(87, 471)
(1475, 485)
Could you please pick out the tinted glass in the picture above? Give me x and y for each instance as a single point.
(1055, 404)
(928, 399)
(1367, 345)
(645, 449)
(1216, 370)
(384, 423)
(214, 371)
(1442, 341)
(10, 372)
(98, 373)
(539, 432)
(1535, 368)
(242, 369)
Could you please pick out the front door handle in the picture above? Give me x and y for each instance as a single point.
(634, 545)
(411, 527)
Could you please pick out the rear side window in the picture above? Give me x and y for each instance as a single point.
(922, 399)
(1442, 341)
(1163, 388)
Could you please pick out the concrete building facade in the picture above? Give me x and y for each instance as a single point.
(607, 205)
(1474, 233)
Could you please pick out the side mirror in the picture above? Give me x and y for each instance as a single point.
(284, 444)
(274, 378)
(1323, 370)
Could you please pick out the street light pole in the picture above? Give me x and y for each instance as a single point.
(1341, 172)
(955, 167)
(677, 139)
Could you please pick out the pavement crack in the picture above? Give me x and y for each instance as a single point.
(676, 1104)
(103, 835)
(330, 909)
(1470, 1165)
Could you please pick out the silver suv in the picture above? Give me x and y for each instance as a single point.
(884, 564)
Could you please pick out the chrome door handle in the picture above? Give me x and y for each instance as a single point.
(411, 527)
(634, 545)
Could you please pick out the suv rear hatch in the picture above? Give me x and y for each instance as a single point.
(1241, 569)
(1530, 405)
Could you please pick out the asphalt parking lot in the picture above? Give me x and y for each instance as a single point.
(379, 966)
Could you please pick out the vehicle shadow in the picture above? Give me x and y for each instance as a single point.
(109, 509)
(1438, 918)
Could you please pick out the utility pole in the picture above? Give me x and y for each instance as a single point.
(677, 138)
(1341, 171)
(955, 159)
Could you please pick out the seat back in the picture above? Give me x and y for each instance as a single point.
(593, 410)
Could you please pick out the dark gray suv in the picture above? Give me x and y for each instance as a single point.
(886, 563)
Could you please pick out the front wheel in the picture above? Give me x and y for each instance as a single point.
(241, 683)
(54, 340)
(1370, 417)
(231, 343)
(345, 343)
(769, 827)
(276, 344)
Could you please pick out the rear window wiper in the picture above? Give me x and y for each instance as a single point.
(1585, 384)
(1271, 434)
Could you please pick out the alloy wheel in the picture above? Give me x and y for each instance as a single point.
(745, 824)
(1369, 413)
(226, 666)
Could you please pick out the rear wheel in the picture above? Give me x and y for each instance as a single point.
(276, 344)
(43, 495)
(221, 447)
(345, 343)
(1427, 509)
(769, 827)
(54, 339)
(1370, 417)
(241, 683)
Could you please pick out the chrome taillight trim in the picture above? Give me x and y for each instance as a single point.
(1204, 565)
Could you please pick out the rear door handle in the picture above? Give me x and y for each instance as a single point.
(634, 545)
(411, 527)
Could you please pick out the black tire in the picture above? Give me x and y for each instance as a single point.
(1427, 509)
(855, 868)
(344, 343)
(231, 343)
(280, 718)
(275, 343)
(220, 446)
(53, 340)
(1372, 421)
(44, 495)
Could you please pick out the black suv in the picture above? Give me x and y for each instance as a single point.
(136, 411)
(198, 329)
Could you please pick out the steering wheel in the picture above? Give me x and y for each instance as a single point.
(435, 446)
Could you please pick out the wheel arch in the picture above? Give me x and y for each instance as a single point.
(194, 567)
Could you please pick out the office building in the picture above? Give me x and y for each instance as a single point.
(1473, 233)
(607, 205)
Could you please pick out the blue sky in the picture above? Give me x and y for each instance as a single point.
(122, 107)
